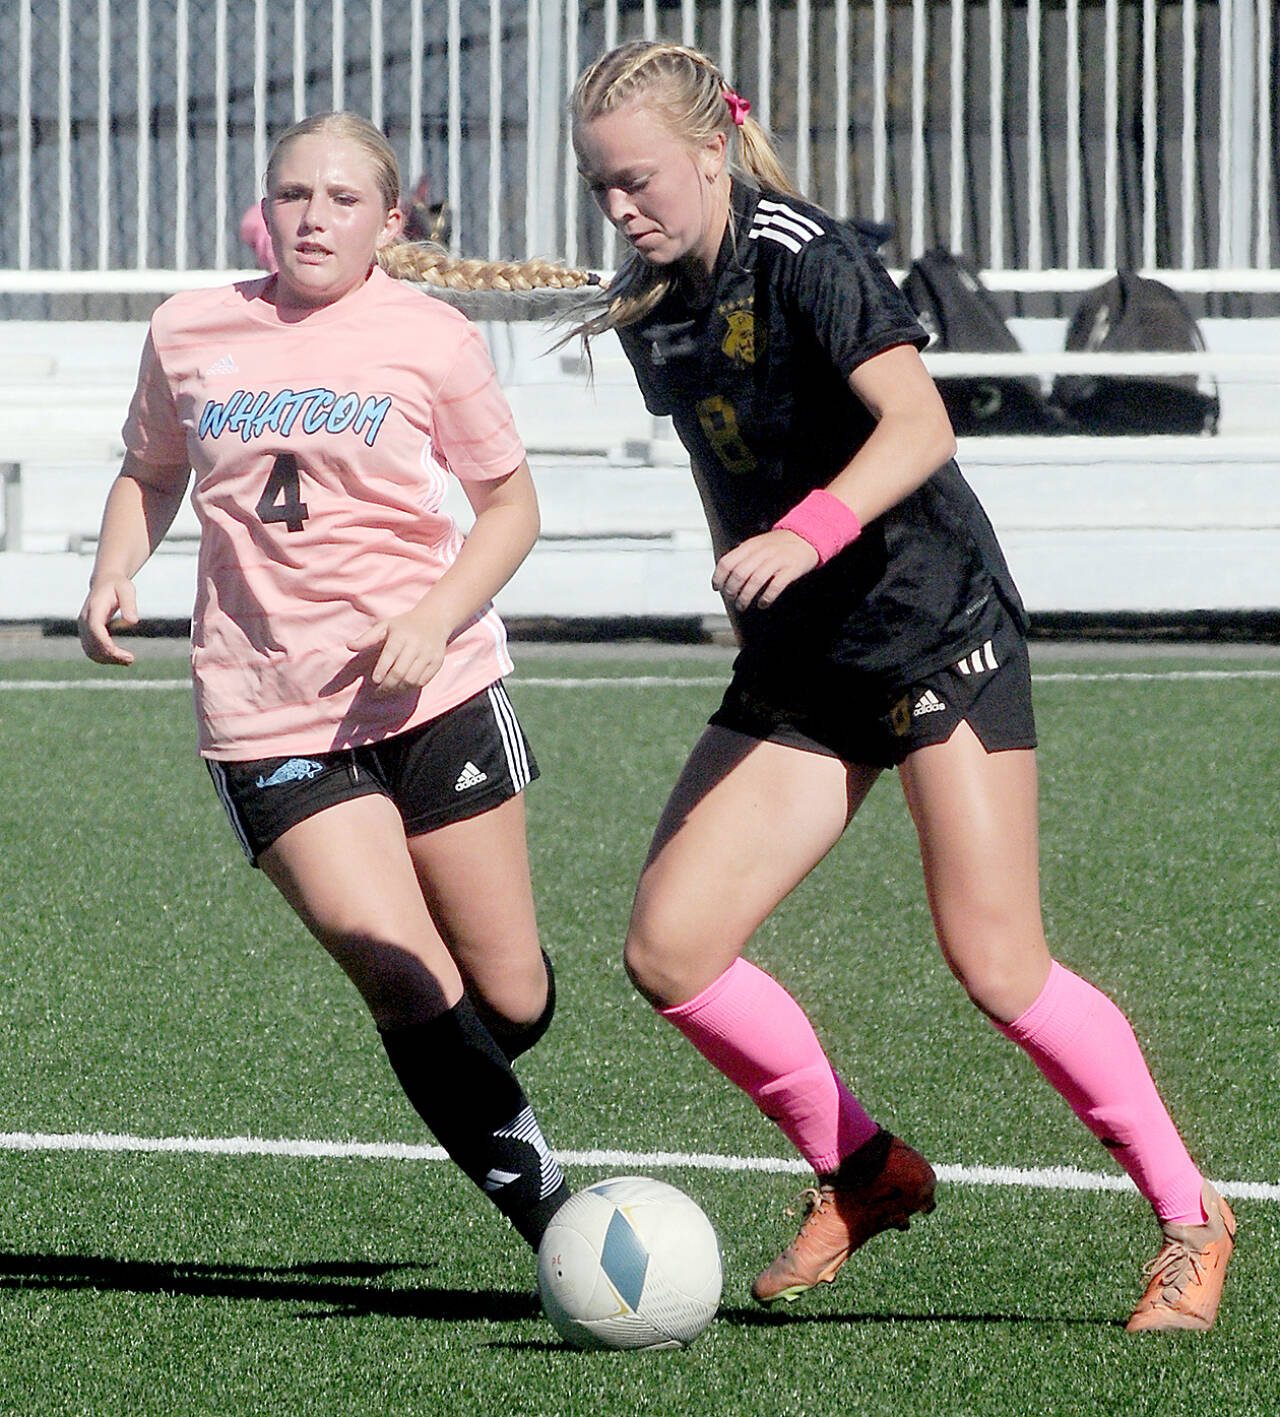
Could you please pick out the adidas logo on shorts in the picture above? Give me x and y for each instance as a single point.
(928, 702)
(470, 776)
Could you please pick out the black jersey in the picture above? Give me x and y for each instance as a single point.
(755, 378)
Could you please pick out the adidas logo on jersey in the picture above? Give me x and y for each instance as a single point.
(225, 365)
(776, 221)
(979, 662)
(470, 776)
(928, 702)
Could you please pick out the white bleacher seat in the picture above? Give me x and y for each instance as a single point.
(1089, 525)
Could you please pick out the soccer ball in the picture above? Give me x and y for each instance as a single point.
(629, 1263)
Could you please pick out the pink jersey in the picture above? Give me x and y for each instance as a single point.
(321, 451)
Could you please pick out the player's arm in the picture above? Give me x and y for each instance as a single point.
(141, 506)
(505, 528)
(911, 440)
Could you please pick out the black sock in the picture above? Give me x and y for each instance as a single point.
(516, 1038)
(463, 1088)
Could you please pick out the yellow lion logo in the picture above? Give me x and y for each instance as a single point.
(739, 342)
(900, 717)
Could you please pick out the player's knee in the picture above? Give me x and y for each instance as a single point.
(518, 994)
(982, 996)
(398, 987)
(518, 1023)
(1000, 988)
(656, 965)
(998, 953)
(636, 960)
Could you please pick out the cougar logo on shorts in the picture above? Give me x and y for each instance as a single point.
(900, 717)
(295, 770)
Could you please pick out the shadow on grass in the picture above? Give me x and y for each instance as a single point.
(760, 1318)
(781, 1318)
(351, 1289)
(344, 1289)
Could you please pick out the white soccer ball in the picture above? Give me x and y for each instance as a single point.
(629, 1262)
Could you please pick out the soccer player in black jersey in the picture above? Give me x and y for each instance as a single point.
(879, 628)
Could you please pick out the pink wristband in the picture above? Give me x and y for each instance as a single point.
(824, 522)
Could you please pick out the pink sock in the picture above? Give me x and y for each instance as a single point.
(1083, 1044)
(747, 1024)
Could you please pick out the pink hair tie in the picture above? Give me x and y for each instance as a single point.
(738, 106)
(824, 521)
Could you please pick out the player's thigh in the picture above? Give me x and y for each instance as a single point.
(474, 874)
(976, 816)
(746, 822)
(348, 874)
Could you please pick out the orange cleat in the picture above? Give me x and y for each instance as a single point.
(1185, 1278)
(842, 1214)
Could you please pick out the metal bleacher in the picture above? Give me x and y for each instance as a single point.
(1090, 525)
(1051, 144)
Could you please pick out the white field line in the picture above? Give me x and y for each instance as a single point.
(1142, 676)
(1043, 1178)
(663, 681)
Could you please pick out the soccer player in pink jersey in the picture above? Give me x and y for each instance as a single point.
(346, 658)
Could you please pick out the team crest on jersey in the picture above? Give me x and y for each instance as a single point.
(739, 342)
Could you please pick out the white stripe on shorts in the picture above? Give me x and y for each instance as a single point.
(218, 772)
(979, 661)
(512, 739)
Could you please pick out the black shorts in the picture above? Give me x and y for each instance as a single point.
(456, 766)
(989, 688)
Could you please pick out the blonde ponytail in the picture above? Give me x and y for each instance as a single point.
(759, 159)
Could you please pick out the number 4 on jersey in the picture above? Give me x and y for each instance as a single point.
(280, 501)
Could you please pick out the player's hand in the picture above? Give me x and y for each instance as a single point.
(111, 604)
(410, 651)
(759, 569)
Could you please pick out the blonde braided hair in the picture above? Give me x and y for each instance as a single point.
(430, 264)
(424, 261)
(688, 92)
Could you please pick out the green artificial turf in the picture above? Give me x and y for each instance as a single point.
(153, 986)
